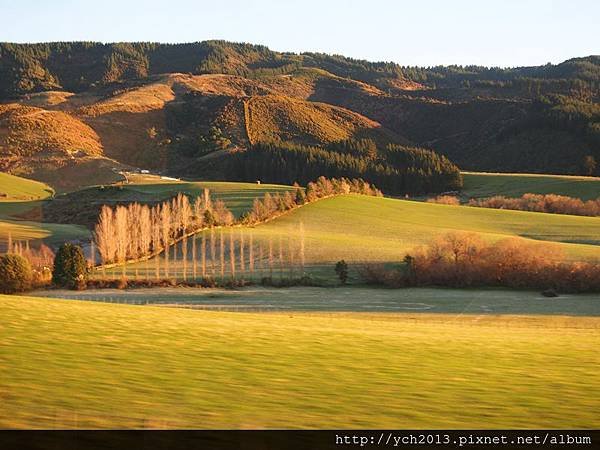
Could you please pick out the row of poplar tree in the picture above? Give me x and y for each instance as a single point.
(135, 231)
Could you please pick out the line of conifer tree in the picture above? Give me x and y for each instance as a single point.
(393, 168)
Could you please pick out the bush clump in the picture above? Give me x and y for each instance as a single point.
(15, 274)
(70, 267)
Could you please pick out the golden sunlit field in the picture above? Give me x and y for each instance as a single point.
(71, 364)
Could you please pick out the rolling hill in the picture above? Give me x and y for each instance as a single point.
(17, 189)
(345, 227)
(481, 184)
(176, 108)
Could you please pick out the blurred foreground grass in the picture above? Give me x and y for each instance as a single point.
(71, 364)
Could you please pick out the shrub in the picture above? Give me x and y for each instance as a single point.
(445, 200)
(341, 268)
(465, 260)
(70, 267)
(549, 203)
(15, 274)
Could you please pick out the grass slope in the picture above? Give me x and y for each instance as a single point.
(51, 233)
(237, 196)
(373, 229)
(62, 367)
(479, 184)
(24, 195)
(14, 188)
(369, 228)
(273, 118)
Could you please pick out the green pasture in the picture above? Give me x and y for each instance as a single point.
(71, 364)
(13, 189)
(374, 229)
(346, 298)
(237, 196)
(479, 184)
(22, 196)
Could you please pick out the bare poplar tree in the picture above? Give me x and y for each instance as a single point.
(222, 252)
(203, 255)
(156, 245)
(242, 259)
(165, 228)
(251, 254)
(281, 257)
(104, 234)
(213, 250)
(194, 259)
(270, 257)
(145, 230)
(198, 213)
(174, 256)
(185, 213)
(232, 255)
(121, 235)
(184, 256)
(302, 255)
(290, 256)
(207, 200)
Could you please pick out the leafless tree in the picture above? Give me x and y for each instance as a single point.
(165, 228)
(231, 255)
(104, 234)
(194, 259)
(242, 260)
(222, 252)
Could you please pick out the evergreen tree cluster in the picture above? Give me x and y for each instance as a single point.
(70, 267)
(79, 65)
(394, 168)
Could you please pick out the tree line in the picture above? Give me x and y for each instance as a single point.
(548, 203)
(79, 65)
(133, 231)
(274, 204)
(393, 168)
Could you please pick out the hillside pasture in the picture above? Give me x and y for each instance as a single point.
(70, 364)
(481, 184)
(237, 196)
(18, 189)
(363, 229)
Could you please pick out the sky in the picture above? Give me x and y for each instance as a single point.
(502, 33)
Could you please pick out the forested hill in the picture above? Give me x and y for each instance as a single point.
(192, 108)
(76, 66)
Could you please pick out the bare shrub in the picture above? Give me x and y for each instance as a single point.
(462, 259)
(549, 203)
(444, 200)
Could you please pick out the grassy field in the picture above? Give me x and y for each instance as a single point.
(24, 195)
(69, 364)
(372, 228)
(14, 188)
(237, 196)
(477, 185)
(357, 299)
(359, 228)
